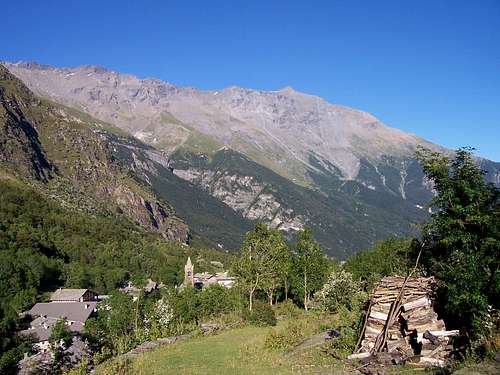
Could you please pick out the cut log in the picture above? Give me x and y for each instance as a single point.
(432, 338)
(455, 332)
(432, 361)
(378, 315)
(430, 326)
(374, 330)
(359, 356)
(396, 344)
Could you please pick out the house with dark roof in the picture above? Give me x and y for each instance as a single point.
(72, 295)
(72, 311)
(75, 306)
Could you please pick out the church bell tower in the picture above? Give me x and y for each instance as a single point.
(189, 273)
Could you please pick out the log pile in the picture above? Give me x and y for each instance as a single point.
(401, 321)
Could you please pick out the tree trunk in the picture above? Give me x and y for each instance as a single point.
(250, 302)
(305, 290)
(252, 291)
(137, 313)
(286, 289)
(270, 297)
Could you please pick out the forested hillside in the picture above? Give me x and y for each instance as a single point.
(44, 246)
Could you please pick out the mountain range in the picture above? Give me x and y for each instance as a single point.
(187, 162)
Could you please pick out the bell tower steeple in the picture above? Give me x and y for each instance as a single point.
(189, 273)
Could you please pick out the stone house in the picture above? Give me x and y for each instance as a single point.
(135, 292)
(206, 279)
(72, 295)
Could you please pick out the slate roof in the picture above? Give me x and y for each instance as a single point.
(205, 276)
(39, 334)
(74, 311)
(67, 294)
(135, 291)
(41, 328)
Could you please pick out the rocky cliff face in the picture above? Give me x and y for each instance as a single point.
(56, 146)
(254, 200)
(20, 146)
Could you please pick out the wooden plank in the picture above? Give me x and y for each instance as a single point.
(373, 330)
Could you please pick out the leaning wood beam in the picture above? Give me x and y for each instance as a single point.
(361, 334)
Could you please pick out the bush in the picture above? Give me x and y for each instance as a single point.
(385, 258)
(217, 300)
(286, 338)
(339, 290)
(349, 321)
(261, 315)
(287, 310)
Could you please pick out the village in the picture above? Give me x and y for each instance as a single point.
(75, 306)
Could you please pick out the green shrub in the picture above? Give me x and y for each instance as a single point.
(385, 258)
(349, 321)
(287, 310)
(339, 290)
(261, 315)
(217, 300)
(285, 338)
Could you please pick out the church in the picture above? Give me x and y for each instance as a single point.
(206, 279)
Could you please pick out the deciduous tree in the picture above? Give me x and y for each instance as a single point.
(261, 254)
(310, 266)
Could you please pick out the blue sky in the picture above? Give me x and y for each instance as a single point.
(428, 67)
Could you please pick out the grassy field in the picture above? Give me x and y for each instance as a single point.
(242, 351)
(236, 351)
(239, 351)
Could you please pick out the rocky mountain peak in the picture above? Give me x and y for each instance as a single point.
(287, 90)
(283, 127)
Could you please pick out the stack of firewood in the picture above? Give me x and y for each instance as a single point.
(416, 334)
